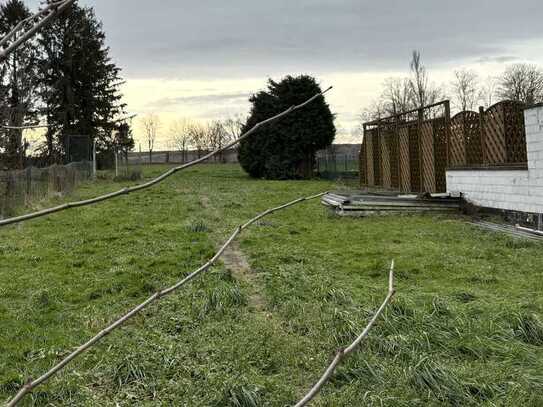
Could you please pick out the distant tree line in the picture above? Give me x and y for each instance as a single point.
(185, 134)
(282, 151)
(65, 78)
(520, 82)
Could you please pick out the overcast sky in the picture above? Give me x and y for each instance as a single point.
(203, 58)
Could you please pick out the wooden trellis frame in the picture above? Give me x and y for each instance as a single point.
(404, 148)
(411, 151)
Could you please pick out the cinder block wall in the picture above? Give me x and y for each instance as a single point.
(518, 190)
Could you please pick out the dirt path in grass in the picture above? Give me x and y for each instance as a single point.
(237, 263)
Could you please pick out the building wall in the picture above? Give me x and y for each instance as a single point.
(518, 190)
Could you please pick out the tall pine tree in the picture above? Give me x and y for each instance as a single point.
(80, 89)
(18, 87)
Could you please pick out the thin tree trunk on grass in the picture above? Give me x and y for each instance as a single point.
(32, 384)
(162, 177)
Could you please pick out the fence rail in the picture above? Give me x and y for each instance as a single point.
(19, 188)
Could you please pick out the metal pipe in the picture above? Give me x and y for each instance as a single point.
(534, 231)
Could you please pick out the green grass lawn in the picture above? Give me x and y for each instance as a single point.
(464, 328)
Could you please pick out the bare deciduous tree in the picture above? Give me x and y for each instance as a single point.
(215, 137)
(181, 136)
(422, 92)
(396, 96)
(374, 111)
(403, 94)
(522, 82)
(233, 127)
(488, 91)
(151, 124)
(198, 137)
(465, 89)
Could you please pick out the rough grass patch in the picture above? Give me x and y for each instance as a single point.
(521, 244)
(432, 380)
(358, 371)
(483, 279)
(130, 370)
(198, 226)
(336, 296)
(528, 328)
(440, 307)
(241, 396)
(222, 298)
(343, 327)
(464, 297)
(43, 300)
(135, 174)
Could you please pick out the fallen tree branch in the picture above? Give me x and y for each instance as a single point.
(37, 21)
(47, 126)
(32, 384)
(27, 127)
(342, 353)
(162, 177)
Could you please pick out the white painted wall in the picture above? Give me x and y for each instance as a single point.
(520, 190)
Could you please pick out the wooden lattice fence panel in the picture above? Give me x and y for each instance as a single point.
(427, 156)
(363, 163)
(472, 138)
(377, 173)
(384, 135)
(405, 169)
(409, 154)
(370, 174)
(457, 147)
(515, 132)
(393, 148)
(494, 135)
(440, 154)
(414, 157)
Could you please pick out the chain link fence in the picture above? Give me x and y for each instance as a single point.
(20, 188)
(334, 165)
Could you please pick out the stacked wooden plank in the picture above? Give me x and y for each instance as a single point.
(373, 204)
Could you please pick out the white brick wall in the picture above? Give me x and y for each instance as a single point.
(520, 190)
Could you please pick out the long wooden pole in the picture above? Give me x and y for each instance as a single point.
(394, 116)
(162, 177)
(32, 384)
(351, 348)
(33, 17)
(48, 15)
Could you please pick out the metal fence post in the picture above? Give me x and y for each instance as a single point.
(94, 159)
(419, 140)
(116, 162)
(447, 131)
(482, 134)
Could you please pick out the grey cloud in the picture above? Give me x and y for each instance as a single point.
(501, 59)
(240, 38)
(223, 98)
